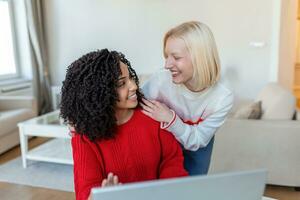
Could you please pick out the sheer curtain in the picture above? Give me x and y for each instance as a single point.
(41, 79)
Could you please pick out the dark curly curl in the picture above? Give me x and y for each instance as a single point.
(89, 93)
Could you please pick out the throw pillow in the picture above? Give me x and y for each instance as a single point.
(256, 112)
(251, 111)
(277, 102)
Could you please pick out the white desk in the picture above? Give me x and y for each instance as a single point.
(267, 198)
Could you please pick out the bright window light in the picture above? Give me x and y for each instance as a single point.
(7, 57)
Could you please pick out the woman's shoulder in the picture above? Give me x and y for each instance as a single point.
(222, 89)
(215, 95)
(80, 141)
(222, 95)
(75, 136)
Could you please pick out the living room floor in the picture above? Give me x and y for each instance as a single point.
(16, 192)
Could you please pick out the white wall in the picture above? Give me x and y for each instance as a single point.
(136, 28)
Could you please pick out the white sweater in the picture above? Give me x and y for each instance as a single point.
(198, 114)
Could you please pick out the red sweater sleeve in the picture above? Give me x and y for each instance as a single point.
(87, 167)
(172, 157)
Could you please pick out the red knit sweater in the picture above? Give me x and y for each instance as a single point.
(141, 151)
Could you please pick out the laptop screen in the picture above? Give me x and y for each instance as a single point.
(246, 185)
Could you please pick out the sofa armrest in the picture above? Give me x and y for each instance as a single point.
(17, 102)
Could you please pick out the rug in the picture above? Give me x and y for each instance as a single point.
(38, 174)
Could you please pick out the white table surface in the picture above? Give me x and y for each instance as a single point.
(57, 150)
(267, 198)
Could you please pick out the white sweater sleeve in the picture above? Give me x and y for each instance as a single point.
(193, 137)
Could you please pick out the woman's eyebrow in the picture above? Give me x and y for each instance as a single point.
(175, 53)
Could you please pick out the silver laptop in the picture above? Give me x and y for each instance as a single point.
(246, 185)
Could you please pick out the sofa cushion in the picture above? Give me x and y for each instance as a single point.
(277, 102)
(10, 119)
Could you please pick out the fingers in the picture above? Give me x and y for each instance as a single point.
(111, 180)
(115, 180)
(151, 105)
(148, 103)
(104, 183)
(157, 111)
(157, 103)
(147, 108)
(154, 104)
(149, 114)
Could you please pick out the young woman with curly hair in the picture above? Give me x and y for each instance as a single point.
(112, 140)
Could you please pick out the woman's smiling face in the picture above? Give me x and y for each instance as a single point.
(126, 89)
(178, 61)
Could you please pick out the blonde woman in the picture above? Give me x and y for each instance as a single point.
(187, 98)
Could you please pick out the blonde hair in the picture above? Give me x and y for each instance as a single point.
(202, 48)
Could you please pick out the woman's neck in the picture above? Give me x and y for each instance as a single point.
(190, 85)
(123, 115)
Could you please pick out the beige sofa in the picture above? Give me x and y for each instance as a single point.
(252, 144)
(274, 144)
(14, 109)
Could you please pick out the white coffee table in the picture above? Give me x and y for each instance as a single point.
(57, 150)
(268, 198)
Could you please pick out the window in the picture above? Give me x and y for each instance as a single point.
(8, 64)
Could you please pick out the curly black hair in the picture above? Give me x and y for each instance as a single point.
(89, 93)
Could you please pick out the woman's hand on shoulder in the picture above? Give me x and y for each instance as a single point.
(157, 111)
